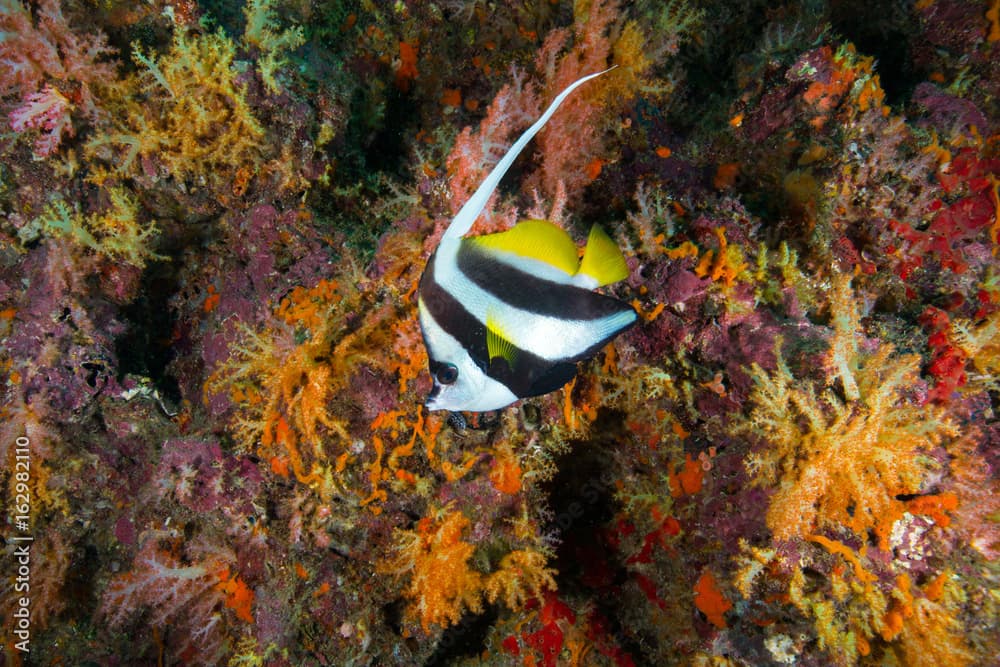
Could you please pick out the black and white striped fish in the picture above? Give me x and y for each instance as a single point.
(506, 316)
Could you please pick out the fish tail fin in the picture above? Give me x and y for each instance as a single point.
(603, 262)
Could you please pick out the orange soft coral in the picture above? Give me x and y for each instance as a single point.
(442, 584)
(930, 634)
(285, 378)
(523, 575)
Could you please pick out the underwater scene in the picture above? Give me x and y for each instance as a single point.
(500, 332)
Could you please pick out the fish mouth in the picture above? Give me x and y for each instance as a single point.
(433, 397)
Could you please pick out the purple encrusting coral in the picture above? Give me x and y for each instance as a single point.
(214, 220)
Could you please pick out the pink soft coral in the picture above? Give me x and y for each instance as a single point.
(48, 111)
(50, 68)
(571, 145)
(186, 596)
(516, 106)
(33, 52)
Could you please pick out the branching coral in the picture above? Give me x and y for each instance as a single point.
(930, 634)
(574, 146)
(52, 68)
(116, 233)
(838, 460)
(262, 32)
(442, 582)
(570, 164)
(523, 575)
(183, 109)
(188, 594)
(516, 104)
(980, 343)
(49, 111)
(284, 380)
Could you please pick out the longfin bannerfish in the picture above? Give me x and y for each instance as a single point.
(508, 315)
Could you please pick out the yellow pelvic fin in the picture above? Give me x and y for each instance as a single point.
(535, 239)
(603, 260)
(498, 342)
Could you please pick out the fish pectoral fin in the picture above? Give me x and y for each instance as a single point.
(603, 262)
(534, 239)
(498, 342)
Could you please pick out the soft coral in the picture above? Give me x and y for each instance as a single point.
(844, 462)
(187, 595)
(51, 68)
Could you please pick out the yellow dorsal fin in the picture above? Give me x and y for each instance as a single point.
(603, 260)
(498, 342)
(534, 239)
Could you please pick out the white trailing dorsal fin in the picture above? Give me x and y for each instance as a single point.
(462, 222)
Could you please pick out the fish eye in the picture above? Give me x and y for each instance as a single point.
(447, 374)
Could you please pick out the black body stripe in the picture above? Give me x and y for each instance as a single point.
(452, 315)
(530, 375)
(531, 293)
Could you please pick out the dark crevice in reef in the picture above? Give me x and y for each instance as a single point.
(466, 639)
(581, 498)
(145, 347)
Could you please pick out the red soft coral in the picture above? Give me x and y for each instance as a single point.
(957, 225)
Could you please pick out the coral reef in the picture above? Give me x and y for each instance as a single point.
(214, 220)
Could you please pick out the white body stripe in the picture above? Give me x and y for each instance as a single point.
(533, 267)
(548, 337)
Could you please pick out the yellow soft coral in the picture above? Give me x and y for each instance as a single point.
(262, 32)
(981, 345)
(114, 233)
(523, 575)
(844, 461)
(183, 108)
